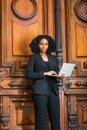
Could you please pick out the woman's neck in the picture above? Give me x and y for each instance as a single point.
(43, 54)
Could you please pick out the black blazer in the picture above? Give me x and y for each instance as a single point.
(35, 70)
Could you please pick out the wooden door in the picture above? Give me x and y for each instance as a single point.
(20, 22)
(74, 97)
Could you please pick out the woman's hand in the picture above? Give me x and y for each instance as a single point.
(49, 73)
(62, 76)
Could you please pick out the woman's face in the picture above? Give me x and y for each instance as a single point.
(43, 45)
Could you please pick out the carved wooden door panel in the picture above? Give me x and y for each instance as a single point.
(20, 22)
(74, 97)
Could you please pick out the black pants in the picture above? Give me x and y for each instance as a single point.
(41, 104)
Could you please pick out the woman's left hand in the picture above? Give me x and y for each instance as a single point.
(62, 76)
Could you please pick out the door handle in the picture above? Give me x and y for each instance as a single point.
(80, 83)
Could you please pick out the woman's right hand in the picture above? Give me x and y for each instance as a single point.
(49, 73)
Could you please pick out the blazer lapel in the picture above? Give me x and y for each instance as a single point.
(50, 60)
(40, 60)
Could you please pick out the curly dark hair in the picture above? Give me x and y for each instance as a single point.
(36, 40)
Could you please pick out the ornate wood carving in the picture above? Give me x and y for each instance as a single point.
(82, 111)
(81, 10)
(22, 83)
(81, 83)
(72, 120)
(4, 73)
(32, 12)
(5, 120)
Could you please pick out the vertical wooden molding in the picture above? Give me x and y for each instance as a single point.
(58, 36)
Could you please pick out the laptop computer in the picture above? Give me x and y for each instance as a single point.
(66, 69)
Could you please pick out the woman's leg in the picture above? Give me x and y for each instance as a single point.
(40, 106)
(54, 111)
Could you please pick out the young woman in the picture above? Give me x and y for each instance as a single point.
(41, 66)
